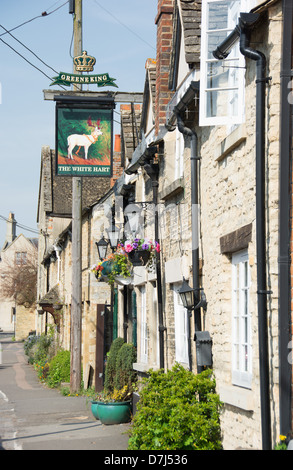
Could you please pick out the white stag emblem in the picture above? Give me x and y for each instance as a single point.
(83, 140)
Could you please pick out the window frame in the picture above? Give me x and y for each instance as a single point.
(241, 321)
(21, 258)
(181, 327)
(143, 327)
(228, 119)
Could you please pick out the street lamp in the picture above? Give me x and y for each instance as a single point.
(102, 246)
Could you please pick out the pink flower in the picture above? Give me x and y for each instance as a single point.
(128, 248)
(157, 247)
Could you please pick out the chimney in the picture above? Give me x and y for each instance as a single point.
(10, 228)
(164, 22)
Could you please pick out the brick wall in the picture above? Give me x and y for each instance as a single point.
(117, 163)
(164, 22)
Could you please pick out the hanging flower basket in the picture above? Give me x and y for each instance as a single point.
(116, 264)
(141, 251)
(124, 281)
(139, 257)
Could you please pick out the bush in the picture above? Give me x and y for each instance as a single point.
(177, 410)
(59, 369)
(28, 344)
(110, 370)
(39, 349)
(125, 375)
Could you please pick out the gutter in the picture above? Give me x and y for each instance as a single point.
(246, 22)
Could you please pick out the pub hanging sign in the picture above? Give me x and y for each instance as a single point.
(84, 135)
(84, 126)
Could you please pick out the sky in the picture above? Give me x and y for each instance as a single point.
(120, 34)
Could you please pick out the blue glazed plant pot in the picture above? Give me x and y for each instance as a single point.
(114, 413)
(94, 408)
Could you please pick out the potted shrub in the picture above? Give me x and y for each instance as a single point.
(113, 407)
(110, 370)
(114, 404)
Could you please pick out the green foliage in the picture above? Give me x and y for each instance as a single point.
(59, 369)
(125, 375)
(39, 349)
(177, 410)
(28, 344)
(50, 367)
(282, 444)
(110, 370)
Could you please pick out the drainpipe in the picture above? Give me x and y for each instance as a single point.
(285, 368)
(246, 19)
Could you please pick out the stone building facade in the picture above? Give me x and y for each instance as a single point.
(225, 218)
(190, 173)
(17, 313)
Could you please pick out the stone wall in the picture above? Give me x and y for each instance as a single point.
(25, 322)
(227, 204)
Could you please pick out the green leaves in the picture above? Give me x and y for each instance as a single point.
(177, 410)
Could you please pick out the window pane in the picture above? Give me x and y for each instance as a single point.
(217, 15)
(221, 14)
(241, 327)
(223, 74)
(222, 103)
(214, 39)
(236, 357)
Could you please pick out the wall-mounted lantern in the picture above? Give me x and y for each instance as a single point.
(133, 222)
(102, 246)
(113, 235)
(187, 295)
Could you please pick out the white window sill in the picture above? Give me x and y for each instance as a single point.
(231, 142)
(143, 367)
(238, 397)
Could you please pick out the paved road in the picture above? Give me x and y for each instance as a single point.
(33, 417)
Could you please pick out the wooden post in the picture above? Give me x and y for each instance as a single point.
(76, 298)
(100, 347)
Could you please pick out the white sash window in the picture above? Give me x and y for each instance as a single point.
(221, 81)
(143, 329)
(181, 327)
(241, 321)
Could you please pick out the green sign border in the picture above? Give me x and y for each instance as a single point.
(68, 79)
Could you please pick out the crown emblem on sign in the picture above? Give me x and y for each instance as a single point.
(84, 62)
